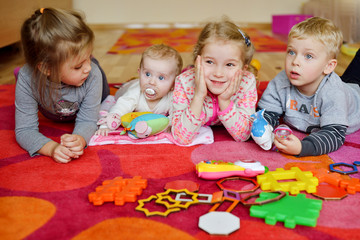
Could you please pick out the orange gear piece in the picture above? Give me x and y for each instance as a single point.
(331, 178)
(234, 203)
(351, 185)
(118, 190)
(132, 189)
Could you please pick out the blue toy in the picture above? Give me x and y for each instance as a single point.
(146, 125)
(262, 131)
(350, 166)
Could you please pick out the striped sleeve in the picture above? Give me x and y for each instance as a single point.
(271, 117)
(328, 139)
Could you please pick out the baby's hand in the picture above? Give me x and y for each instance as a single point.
(290, 145)
(75, 143)
(62, 154)
(102, 131)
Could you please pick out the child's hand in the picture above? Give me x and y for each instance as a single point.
(200, 89)
(102, 131)
(289, 145)
(62, 154)
(75, 143)
(224, 98)
(200, 84)
(58, 152)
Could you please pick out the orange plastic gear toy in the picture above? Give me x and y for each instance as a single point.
(331, 178)
(234, 203)
(351, 185)
(118, 190)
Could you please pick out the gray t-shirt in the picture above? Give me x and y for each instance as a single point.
(81, 102)
(334, 102)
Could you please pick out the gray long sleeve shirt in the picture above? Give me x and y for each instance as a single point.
(332, 112)
(84, 101)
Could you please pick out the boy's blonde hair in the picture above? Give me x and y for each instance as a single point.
(49, 38)
(321, 29)
(227, 31)
(162, 51)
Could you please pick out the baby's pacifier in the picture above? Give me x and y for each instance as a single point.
(150, 91)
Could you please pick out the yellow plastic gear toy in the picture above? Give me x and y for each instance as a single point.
(180, 204)
(303, 181)
(141, 208)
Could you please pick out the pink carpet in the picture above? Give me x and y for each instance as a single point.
(41, 199)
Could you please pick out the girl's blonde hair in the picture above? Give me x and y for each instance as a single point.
(321, 29)
(49, 38)
(162, 51)
(227, 31)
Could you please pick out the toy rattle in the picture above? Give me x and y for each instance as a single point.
(283, 131)
(214, 169)
(146, 125)
(112, 120)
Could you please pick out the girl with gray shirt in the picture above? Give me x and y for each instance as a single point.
(61, 80)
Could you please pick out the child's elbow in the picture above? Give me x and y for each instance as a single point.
(242, 138)
(180, 138)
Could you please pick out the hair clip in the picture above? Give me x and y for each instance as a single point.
(42, 10)
(247, 40)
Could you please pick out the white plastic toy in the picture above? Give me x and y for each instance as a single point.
(219, 223)
(262, 131)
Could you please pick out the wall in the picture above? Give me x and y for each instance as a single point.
(345, 14)
(184, 11)
(14, 12)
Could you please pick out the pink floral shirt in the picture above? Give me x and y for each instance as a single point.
(236, 118)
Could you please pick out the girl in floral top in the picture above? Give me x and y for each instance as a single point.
(219, 89)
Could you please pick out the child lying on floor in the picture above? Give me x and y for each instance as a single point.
(61, 80)
(219, 90)
(309, 94)
(152, 91)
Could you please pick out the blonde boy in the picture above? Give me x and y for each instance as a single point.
(309, 95)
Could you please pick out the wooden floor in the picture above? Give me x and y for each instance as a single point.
(120, 68)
